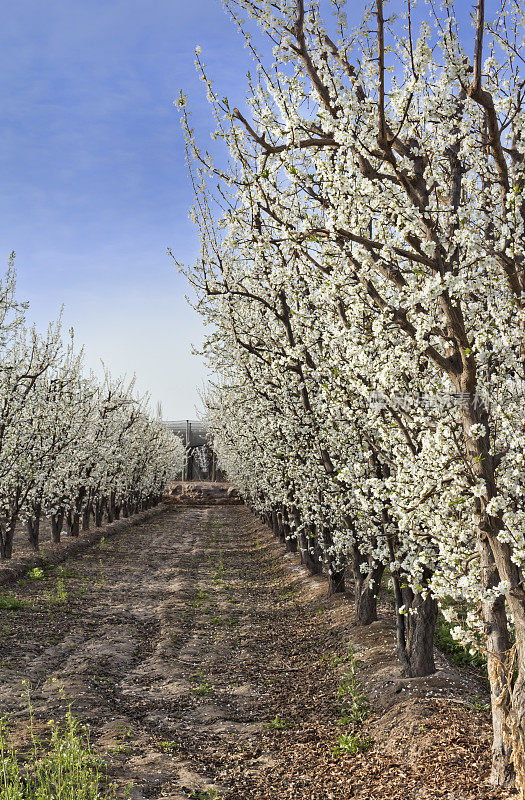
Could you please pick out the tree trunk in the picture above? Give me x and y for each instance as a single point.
(290, 540)
(86, 517)
(307, 557)
(57, 521)
(336, 580)
(367, 578)
(498, 646)
(367, 592)
(420, 628)
(6, 543)
(99, 513)
(111, 508)
(73, 523)
(313, 558)
(33, 531)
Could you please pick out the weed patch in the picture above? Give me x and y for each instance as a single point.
(11, 603)
(350, 744)
(277, 724)
(64, 767)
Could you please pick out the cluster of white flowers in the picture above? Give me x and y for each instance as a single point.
(71, 447)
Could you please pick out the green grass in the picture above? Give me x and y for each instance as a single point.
(203, 598)
(57, 597)
(353, 707)
(350, 744)
(66, 572)
(203, 688)
(219, 571)
(9, 602)
(277, 724)
(478, 705)
(122, 749)
(65, 767)
(168, 746)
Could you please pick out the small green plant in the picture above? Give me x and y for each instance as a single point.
(277, 724)
(219, 572)
(122, 749)
(65, 766)
(58, 597)
(349, 693)
(350, 744)
(169, 746)
(478, 705)
(353, 704)
(36, 574)
(11, 603)
(204, 794)
(102, 679)
(201, 598)
(204, 686)
(66, 572)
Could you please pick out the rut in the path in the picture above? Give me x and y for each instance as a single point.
(201, 656)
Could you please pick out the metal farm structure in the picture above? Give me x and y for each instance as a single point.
(200, 459)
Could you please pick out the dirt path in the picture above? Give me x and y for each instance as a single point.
(180, 640)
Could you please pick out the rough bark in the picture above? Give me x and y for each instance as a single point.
(8, 534)
(498, 647)
(420, 626)
(33, 531)
(99, 507)
(86, 517)
(57, 522)
(307, 553)
(336, 580)
(367, 595)
(73, 523)
(367, 581)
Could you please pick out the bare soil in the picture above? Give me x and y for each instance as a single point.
(181, 637)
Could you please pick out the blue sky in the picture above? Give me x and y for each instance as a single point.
(94, 182)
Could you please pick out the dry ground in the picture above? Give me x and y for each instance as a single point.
(180, 638)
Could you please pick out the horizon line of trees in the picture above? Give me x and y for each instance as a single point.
(74, 449)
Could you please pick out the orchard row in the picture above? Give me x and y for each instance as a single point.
(73, 449)
(362, 269)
